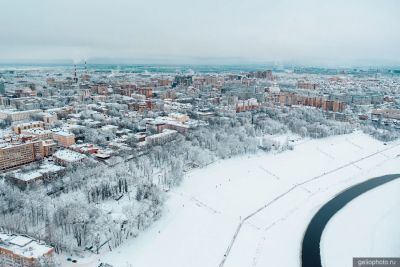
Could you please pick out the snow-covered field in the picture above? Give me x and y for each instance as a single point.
(201, 215)
(366, 227)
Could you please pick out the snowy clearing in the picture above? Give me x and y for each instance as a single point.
(202, 215)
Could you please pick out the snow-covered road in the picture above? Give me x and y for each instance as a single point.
(203, 214)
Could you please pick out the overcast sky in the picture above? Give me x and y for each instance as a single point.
(191, 31)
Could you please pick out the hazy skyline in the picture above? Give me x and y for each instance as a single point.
(209, 31)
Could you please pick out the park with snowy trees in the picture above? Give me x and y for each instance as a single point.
(97, 206)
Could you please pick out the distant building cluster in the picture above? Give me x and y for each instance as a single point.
(78, 115)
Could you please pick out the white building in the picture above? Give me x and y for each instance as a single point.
(65, 157)
(22, 251)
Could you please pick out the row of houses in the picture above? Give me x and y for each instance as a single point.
(291, 99)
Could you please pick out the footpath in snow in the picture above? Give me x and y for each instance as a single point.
(202, 215)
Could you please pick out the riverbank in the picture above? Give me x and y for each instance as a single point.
(367, 227)
(311, 249)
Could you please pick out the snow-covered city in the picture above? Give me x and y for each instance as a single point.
(212, 134)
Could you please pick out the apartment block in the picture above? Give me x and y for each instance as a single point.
(146, 91)
(307, 85)
(15, 115)
(38, 133)
(22, 251)
(14, 155)
(18, 128)
(64, 138)
(289, 99)
(65, 157)
(165, 136)
(247, 105)
(49, 117)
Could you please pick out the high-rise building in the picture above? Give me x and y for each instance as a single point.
(2, 87)
(75, 76)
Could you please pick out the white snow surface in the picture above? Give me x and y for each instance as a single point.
(366, 227)
(202, 214)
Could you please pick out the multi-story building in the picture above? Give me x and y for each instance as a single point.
(393, 114)
(267, 74)
(2, 87)
(182, 118)
(139, 106)
(64, 138)
(12, 155)
(289, 99)
(183, 80)
(38, 133)
(20, 153)
(164, 82)
(165, 136)
(49, 147)
(146, 91)
(65, 157)
(15, 115)
(127, 89)
(22, 251)
(25, 92)
(101, 89)
(25, 103)
(247, 105)
(18, 128)
(307, 85)
(15, 154)
(85, 148)
(49, 117)
(5, 101)
(156, 126)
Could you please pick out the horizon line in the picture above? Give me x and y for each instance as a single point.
(127, 62)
